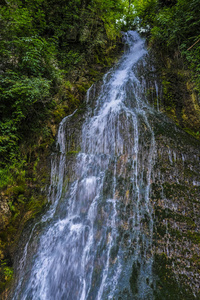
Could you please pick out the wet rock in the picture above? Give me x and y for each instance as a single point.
(5, 212)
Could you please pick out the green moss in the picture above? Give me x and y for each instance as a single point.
(36, 204)
(73, 152)
(177, 234)
(194, 237)
(93, 72)
(20, 189)
(167, 287)
(196, 259)
(5, 178)
(6, 274)
(83, 87)
(25, 201)
(194, 133)
(59, 114)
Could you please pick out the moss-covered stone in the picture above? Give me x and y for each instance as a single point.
(179, 99)
(167, 286)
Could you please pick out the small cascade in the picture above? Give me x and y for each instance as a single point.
(58, 164)
(157, 95)
(55, 191)
(96, 239)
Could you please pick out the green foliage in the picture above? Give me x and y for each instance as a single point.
(40, 43)
(26, 78)
(13, 174)
(175, 29)
(146, 11)
(6, 271)
(4, 177)
(19, 101)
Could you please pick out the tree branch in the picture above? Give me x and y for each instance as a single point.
(193, 45)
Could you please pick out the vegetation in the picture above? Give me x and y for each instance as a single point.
(40, 44)
(173, 32)
(46, 48)
(174, 28)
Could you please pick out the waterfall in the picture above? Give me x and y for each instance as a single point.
(96, 240)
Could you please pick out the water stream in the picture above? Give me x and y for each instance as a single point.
(96, 240)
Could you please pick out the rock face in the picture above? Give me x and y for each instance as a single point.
(176, 200)
(175, 188)
(125, 192)
(5, 213)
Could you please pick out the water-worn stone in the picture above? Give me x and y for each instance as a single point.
(176, 198)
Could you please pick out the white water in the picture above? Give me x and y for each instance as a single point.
(98, 232)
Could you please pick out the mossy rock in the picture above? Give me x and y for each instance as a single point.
(167, 287)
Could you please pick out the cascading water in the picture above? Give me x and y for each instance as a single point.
(96, 241)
